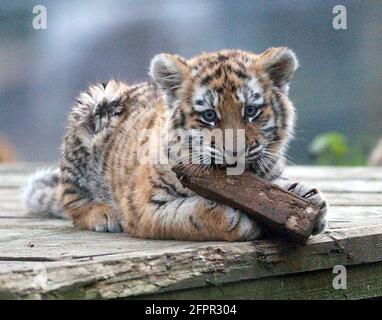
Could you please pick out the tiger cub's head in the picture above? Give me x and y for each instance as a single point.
(231, 91)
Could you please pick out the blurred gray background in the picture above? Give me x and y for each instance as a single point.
(337, 88)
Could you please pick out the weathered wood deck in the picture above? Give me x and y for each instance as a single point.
(42, 258)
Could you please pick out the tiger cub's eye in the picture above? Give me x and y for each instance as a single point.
(209, 116)
(251, 112)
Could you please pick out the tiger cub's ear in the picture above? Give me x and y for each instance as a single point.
(169, 71)
(280, 64)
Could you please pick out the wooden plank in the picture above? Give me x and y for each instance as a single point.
(10, 205)
(23, 167)
(53, 238)
(10, 194)
(157, 267)
(354, 199)
(363, 281)
(8, 181)
(350, 217)
(334, 173)
(350, 185)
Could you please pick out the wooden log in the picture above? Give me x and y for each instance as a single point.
(280, 211)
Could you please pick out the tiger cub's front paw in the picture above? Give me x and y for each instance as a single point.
(311, 194)
(98, 218)
(239, 227)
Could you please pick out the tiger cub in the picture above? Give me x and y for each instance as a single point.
(102, 184)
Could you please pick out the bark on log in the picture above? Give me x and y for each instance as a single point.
(280, 211)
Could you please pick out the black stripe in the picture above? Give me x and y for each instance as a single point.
(236, 224)
(240, 74)
(172, 187)
(65, 169)
(70, 191)
(161, 187)
(130, 203)
(220, 90)
(240, 64)
(206, 80)
(222, 58)
(218, 72)
(179, 204)
(68, 204)
(180, 121)
(282, 111)
(159, 203)
(69, 180)
(194, 223)
(167, 187)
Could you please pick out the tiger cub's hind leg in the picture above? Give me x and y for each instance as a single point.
(85, 213)
(96, 217)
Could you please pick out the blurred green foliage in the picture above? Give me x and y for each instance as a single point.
(333, 148)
